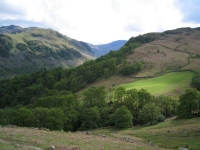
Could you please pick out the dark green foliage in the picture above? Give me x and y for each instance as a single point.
(36, 35)
(24, 117)
(122, 118)
(189, 103)
(62, 110)
(106, 73)
(141, 39)
(105, 116)
(179, 30)
(41, 115)
(71, 121)
(120, 93)
(21, 46)
(196, 81)
(168, 105)
(38, 46)
(69, 54)
(55, 119)
(94, 97)
(131, 69)
(90, 118)
(3, 117)
(5, 45)
(149, 113)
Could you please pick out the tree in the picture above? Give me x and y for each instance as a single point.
(94, 97)
(144, 97)
(105, 116)
(55, 119)
(106, 73)
(131, 100)
(122, 118)
(120, 94)
(3, 120)
(50, 80)
(71, 120)
(90, 118)
(189, 103)
(165, 104)
(131, 69)
(24, 117)
(196, 81)
(149, 113)
(41, 115)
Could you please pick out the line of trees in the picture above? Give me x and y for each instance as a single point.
(69, 112)
(66, 111)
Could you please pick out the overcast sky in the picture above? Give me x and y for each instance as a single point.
(101, 21)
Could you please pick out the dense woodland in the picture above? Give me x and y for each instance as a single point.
(48, 99)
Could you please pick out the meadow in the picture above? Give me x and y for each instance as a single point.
(171, 134)
(13, 138)
(173, 84)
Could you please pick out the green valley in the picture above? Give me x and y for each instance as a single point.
(125, 98)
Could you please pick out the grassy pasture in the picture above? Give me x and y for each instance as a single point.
(171, 134)
(32, 139)
(169, 84)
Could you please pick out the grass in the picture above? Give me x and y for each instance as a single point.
(170, 84)
(172, 134)
(24, 138)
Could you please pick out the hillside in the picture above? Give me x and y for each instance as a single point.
(174, 50)
(170, 51)
(25, 50)
(103, 49)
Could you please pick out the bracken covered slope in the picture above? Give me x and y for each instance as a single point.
(172, 50)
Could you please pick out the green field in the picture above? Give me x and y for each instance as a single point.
(173, 83)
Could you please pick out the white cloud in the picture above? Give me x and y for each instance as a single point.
(98, 21)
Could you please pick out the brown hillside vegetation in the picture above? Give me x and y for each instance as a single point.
(169, 52)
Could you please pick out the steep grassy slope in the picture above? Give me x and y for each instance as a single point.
(24, 50)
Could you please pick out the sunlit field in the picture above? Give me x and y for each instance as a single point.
(170, 84)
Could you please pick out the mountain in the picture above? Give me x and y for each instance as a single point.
(25, 50)
(103, 49)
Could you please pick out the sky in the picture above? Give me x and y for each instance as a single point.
(101, 21)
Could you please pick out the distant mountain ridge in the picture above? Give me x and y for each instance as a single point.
(25, 50)
(103, 49)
